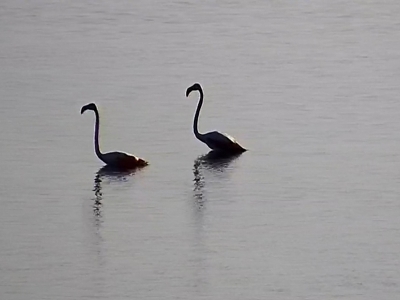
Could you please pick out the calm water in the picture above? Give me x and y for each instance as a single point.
(310, 212)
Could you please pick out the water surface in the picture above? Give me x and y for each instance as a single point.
(310, 212)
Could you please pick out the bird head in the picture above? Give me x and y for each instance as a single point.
(90, 106)
(194, 87)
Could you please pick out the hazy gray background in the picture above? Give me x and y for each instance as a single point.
(310, 212)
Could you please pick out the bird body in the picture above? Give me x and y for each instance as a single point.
(122, 160)
(215, 140)
(116, 159)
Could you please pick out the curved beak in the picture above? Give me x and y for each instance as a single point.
(83, 109)
(189, 90)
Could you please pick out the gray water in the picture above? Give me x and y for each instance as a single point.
(311, 211)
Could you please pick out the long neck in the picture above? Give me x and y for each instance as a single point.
(96, 135)
(196, 117)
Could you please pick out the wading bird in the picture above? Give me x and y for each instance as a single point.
(118, 160)
(214, 139)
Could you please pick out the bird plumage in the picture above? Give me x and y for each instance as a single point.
(116, 159)
(215, 140)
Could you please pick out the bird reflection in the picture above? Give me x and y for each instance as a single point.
(198, 183)
(111, 174)
(98, 197)
(213, 161)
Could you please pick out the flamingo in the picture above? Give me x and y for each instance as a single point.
(214, 140)
(116, 159)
